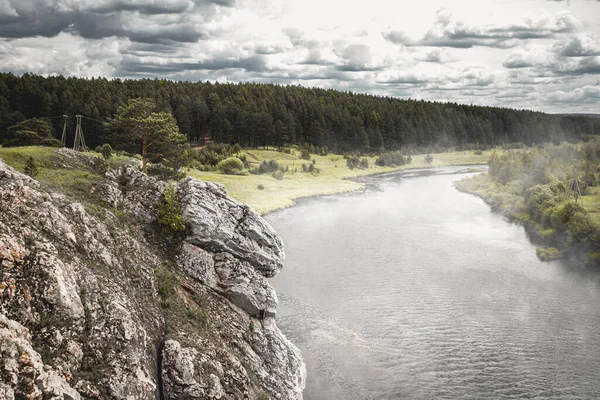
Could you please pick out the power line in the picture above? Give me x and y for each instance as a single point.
(92, 119)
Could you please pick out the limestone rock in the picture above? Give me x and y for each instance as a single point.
(24, 375)
(84, 287)
(198, 264)
(244, 287)
(219, 223)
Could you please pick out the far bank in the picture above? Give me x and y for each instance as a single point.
(265, 193)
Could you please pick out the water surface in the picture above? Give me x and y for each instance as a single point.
(415, 290)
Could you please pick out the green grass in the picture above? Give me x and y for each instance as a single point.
(75, 179)
(332, 179)
(591, 203)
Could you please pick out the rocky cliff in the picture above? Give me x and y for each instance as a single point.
(96, 304)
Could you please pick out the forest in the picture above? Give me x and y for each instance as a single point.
(259, 115)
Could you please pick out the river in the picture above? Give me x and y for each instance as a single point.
(415, 290)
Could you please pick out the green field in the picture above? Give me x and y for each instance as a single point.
(333, 178)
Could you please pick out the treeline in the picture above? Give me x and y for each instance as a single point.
(256, 115)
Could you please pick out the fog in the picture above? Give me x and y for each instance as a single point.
(415, 290)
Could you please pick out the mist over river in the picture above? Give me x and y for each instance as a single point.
(415, 290)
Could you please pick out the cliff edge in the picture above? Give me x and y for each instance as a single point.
(96, 304)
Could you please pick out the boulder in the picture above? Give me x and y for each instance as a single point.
(219, 223)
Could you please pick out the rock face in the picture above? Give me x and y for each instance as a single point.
(219, 223)
(92, 306)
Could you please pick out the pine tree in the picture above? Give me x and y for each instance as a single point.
(31, 167)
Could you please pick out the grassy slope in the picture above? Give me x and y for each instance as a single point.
(333, 177)
(61, 174)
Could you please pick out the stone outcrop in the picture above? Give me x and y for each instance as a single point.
(221, 224)
(84, 312)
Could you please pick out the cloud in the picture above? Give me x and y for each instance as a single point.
(148, 21)
(580, 46)
(436, 56)
(448, 32)
(356, 58)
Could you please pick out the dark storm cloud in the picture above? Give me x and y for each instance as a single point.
(153, 8)
(91, 26)
(139, 68)
(139, 21)
(448, 33)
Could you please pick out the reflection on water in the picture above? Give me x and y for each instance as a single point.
(416, 290)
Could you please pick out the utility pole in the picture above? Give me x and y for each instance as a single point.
(64, 134)
(574, 187)
(79, 143)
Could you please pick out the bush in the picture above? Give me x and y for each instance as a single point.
(31, 167)
(269, 166)
(364, 163)
(169, 212)
(352, 161)
(547, 253)
(277, 175)
(231, 166)
(260, 186)
(30, 138)
(305, 155)
(428, 159)
(106, 151)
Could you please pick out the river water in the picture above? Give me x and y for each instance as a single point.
(415, 290)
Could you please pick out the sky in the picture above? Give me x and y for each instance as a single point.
(526, 54)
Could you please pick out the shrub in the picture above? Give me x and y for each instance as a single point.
(31, 167)
(364, 163)
(106, 151)
(352, 161)
(547, 253)
(428, 158)
(305, 155)
(30, 138)
(166, 284)
(260, 186)
(231, 166)
(269, 166)
(169, 212)
(277, 175)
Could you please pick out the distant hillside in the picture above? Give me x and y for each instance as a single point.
(263, 114)
(583, 115)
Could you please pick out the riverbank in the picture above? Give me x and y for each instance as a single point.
(266, 194)
(559, 227)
